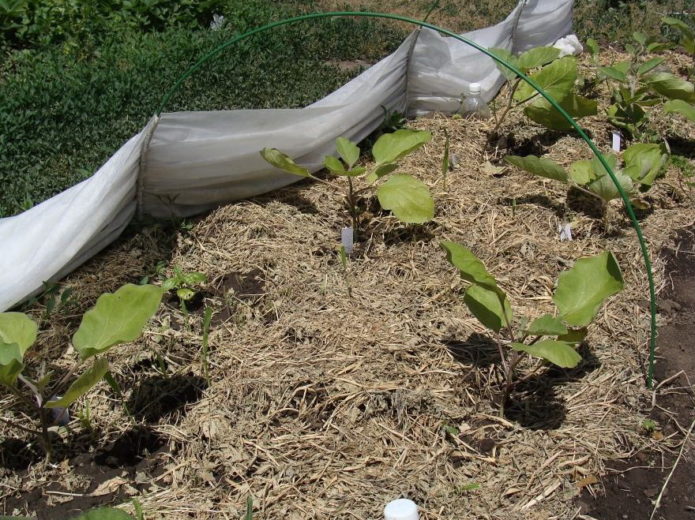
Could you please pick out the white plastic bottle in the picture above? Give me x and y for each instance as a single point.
(401, 509)
(473, 105)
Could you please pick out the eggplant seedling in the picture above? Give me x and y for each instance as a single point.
(579, 294)
(116, 318)
(556, 77)
(405, 196)
(643, 164)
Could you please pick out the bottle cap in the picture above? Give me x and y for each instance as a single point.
(401, 509)
(474, 88)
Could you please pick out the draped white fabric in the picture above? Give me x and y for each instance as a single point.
(185, 163)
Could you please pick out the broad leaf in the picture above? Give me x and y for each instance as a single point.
(193, 278)
(284, 162)
(581, 290)
(617, 72)
(672, 87)
(556, 79)
(408, 198)
(605, 188)
(470, 267)
(185, 294)
(384, 169)
(547, 325)
(333, 164)
(547, 115)
(644, 162)
(116, 318)
(537, 57)
(391, 147)
(593, 47)
(348, 151)
(649, 65)
(574, 336)
(582, 172)
(680, 25)
(490, 306)
(82, 384)
(539, 166)
(11, 364)
(678, 106)
(507, 56)
(17, 327)
(557, 352)
(104, 513)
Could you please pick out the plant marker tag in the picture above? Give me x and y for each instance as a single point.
(565, 231)
(401, 509)
(616, 141)
(346, 238)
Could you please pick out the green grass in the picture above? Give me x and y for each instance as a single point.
(60, 119)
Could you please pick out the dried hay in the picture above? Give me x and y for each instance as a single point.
(334, 391)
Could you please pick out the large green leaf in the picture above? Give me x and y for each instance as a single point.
(17, 327)
(490, 306)
(547, 115)
(104, 513)
(10, 363)
(649, 65)
(507, 56)
(581, 290)
(556, 79)
(678, 106)
(539, 166)
(605, 188)
(82, 384)
(537, 57)
(557, 352)
(574, 335)
(284, 162)
(348, 151)
(680, 25)
(617, 72)
(469, 265)
(672, 87)
(582, 172)
(408, 198)
(116, 318)
(547, 325)
(391, 147)
(644, 162)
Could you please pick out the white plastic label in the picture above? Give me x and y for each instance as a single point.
(346, 237)
(565, 232)
(616, 141)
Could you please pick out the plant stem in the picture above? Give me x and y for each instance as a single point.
(352, 204)
(45, 439)
(510, 102)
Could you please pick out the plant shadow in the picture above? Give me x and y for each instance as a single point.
(158, 397)
(478, 350)
(541, 200)
(535, 404)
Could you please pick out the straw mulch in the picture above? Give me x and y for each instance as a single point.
(333, 391)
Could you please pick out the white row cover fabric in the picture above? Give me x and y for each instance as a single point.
(184, 163)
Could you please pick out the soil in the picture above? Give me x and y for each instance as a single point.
(634, 484)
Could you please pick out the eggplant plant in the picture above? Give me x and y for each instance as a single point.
(408, 198)
(686, 36)
(555, 76)
(552, 338)
(638, 83)
(116, 318)
(643, 164)
(184, 284)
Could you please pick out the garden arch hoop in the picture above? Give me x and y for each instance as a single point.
(369, 14)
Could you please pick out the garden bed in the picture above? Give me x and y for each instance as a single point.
(332, 390)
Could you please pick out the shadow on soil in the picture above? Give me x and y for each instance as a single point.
(159, 397)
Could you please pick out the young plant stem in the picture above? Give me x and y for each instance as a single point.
(510, 102)
(353, 204)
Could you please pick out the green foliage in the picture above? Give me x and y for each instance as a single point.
(405, 196)
(638, 83)
(557, 77)
(643, 164)
(579, 294)
(685, 35)
(116, 318)
(581, 290)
